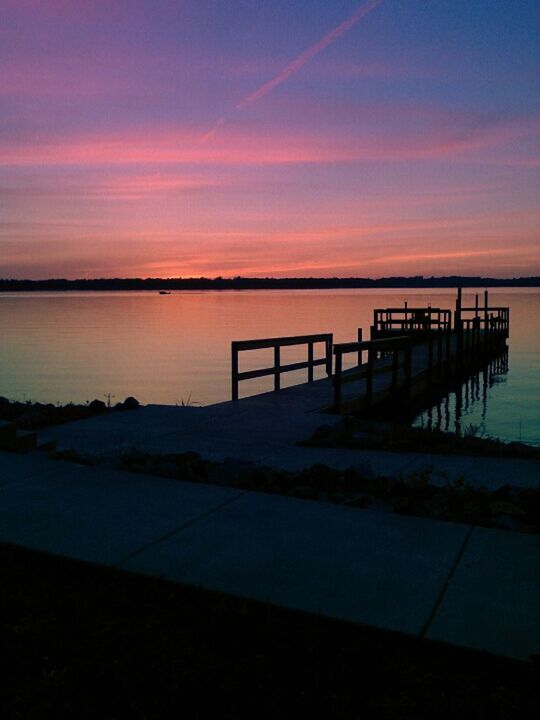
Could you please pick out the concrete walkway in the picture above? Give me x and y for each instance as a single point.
(467, 586)
(265, 430)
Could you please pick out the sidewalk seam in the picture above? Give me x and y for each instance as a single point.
(442, 593)
(180, 529)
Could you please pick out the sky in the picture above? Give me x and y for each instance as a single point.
(166, 138)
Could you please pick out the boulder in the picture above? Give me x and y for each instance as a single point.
(130, 403)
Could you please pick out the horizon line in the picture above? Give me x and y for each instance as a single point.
(261, 278)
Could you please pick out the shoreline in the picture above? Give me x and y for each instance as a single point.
(239, 283)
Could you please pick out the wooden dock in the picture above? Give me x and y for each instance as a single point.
(413, 357)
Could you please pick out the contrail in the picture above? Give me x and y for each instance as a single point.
(295, 65)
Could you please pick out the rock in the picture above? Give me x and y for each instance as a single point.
(4, 404)
(508, 522)
(320, 477)
(499, 507)
(130, 403)
(31, 418)
(360, 501)
(436, 505)
(165, 468)
(336, 497)
(305, 492)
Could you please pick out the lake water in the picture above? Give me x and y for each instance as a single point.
(62, 347)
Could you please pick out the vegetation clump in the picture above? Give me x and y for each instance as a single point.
(509, 507)
(356, 434)
(33, 415)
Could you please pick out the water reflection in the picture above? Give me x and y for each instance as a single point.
(454, 411)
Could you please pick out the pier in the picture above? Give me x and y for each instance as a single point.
(414, 356)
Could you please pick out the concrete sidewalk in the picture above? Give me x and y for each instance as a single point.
(265, 429)
(467, 586)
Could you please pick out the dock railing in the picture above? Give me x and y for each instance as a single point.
(400, 321)
(479, 328)
(400, 348)
(238, 346)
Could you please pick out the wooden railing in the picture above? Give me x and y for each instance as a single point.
(405, 319)
(238, 346)
(394, 346)
(399, 349)
(490, 319)
(484, 328)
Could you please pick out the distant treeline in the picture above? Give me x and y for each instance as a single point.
(245, 283)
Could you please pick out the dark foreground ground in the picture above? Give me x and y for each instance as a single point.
(88, 642)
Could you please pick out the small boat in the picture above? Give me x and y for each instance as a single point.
(164, 292)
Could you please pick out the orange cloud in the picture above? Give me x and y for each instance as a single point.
(500, 242)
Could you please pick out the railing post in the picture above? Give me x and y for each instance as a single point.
(430, 361)
(486, 328)
(439, 354)
(277, 363)
(234, 368)
(458, 327)
(449, 350)
(395, 364)
(329, 347)
(369, 377)
(359, 336)
(337, 382)
(310, 361)
(408, 372)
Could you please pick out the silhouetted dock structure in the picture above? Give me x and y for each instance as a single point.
(414, 355)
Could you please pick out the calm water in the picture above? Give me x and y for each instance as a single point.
(61, 347)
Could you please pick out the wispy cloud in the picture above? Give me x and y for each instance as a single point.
(298, 63)
(448, 138)
(132, 187)
(419, 245)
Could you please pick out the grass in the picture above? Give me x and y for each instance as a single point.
(188, 402)
(91, 642)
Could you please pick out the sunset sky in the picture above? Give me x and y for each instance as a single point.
(277, 137)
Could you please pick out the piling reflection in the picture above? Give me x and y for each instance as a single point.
(470, 399)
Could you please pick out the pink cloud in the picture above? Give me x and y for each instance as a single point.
(248, 147)
(117, 188)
